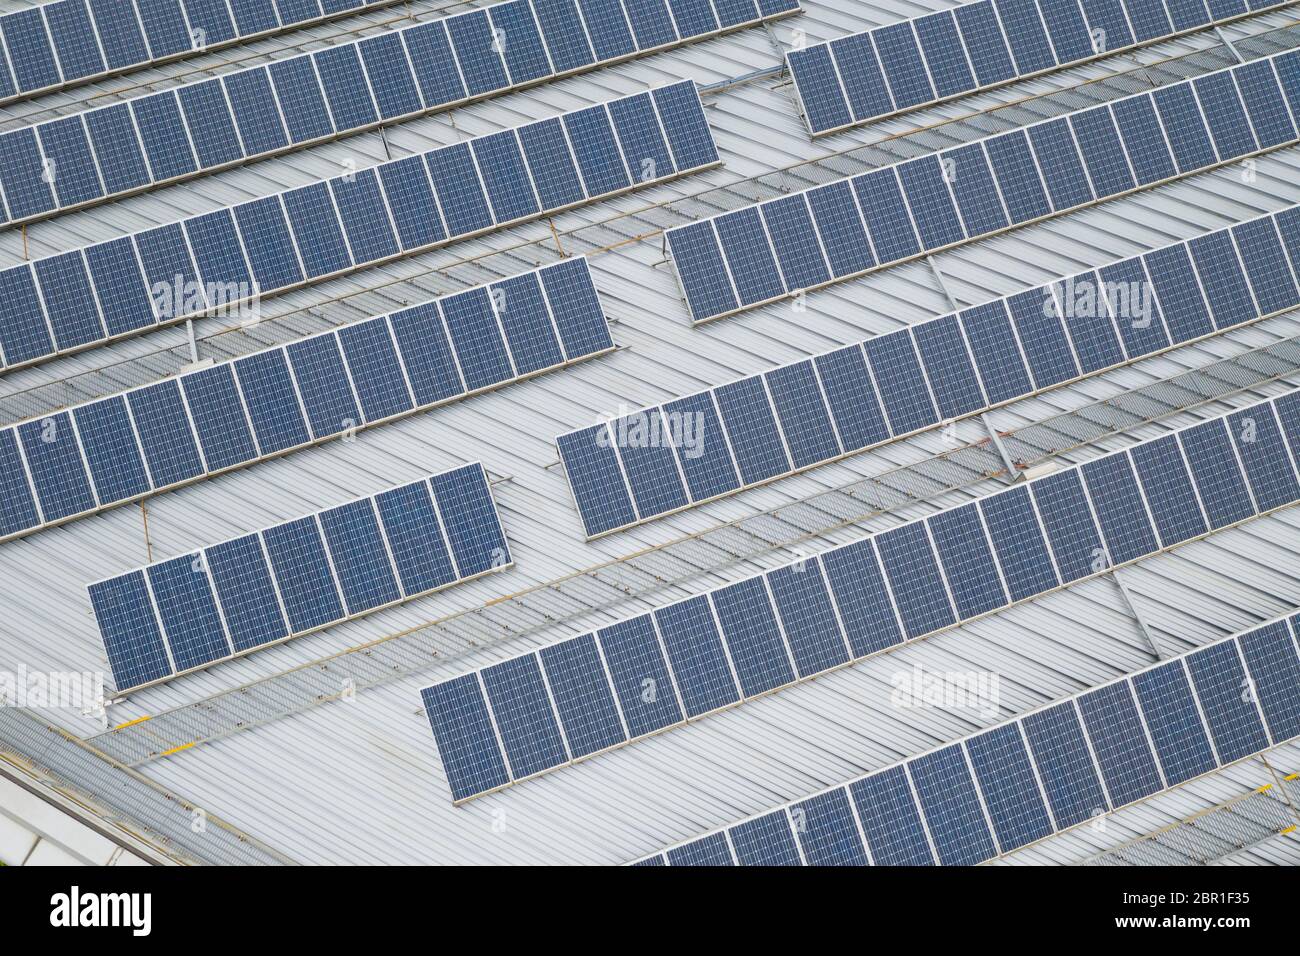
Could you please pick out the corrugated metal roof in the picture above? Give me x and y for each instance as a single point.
(360, 781)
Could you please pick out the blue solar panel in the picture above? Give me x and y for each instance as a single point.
(1071, 531)
(219, 421)
(186, 606)
(520, 703)
(805, 420)
(238, 595)
(890, 819)
(1271, 656)
(1121, 511)
(639, 672)
(851, 395)
(1042, 336)
(242, 579)
(1065, 765)
(1119, 742)
(112, 452)
(974, 189)
(706, 462)
(583, 697)
(754, 640)
(968, 563)
(697, 656)
(709, 851)
(275, 243)
(808, 617)
(649, 463)
(1172, 718)
(997, 357)
(1258, 440)
(1019, 542)
(1218, 477)
(467, 743)
(50, 448)
(130, 629)
(360, 556)
(827, 831)
(1006, 777)
(765, 841)
(952, 808)
(866, 611)
(915, 580)
(904, 391)
(1228, 701)
(752, 430)
(1169, 490)
(949, 367)
(1041, 36)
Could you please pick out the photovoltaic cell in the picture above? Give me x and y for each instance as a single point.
(984, 795)
(213, 419)
(930, 202)
(986, 44)
(268, 245)
(751, 637)
(238, 595)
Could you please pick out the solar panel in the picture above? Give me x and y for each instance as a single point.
(856, 397)
(213, 419)
(979, 46)
(1024, 779)
(69, 42)
(220, 261)
(711, 651)
(225, 600)
(347, 88)
(726, 264)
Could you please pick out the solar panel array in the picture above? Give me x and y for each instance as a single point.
(813, 238)
(231, 598)
(213, 419)
(1052, 769)
(816, 410)
(69, 41)
(866, 76)
(215, 261)
(550, 707)
(77, 160)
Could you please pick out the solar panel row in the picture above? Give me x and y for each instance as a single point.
(211, 420)
(56, 44)
(1052, 769)
(866, 76)
(721, 440)
(231, 598)
(164, 137)
(550, 707)
(220, 260)
(813, 238)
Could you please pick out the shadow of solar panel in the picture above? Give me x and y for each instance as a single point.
(711, 651)
(211, 420)
(982, 45)
(226, 600)
(1001, 789)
